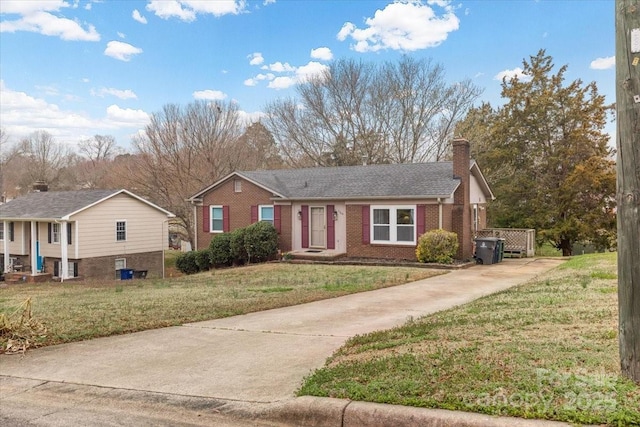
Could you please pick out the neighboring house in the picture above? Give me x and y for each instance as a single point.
(86, 233)
(374, 211)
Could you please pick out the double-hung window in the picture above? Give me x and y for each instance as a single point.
(217, 223)
(55, 232)
(265, 213)
(393, 224)
(121, 231)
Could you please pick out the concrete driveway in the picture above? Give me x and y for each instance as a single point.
(255, 358)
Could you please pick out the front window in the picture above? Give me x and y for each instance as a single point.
(121, 231)
(266, 213)
(55, 233)
(393, 224)
(217, 224)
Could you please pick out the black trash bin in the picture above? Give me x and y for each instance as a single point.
(126, 274)
(486, 250)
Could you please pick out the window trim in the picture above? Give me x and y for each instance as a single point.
(271, 221)
(237, 186)
(124, 221)
(55, 235)
(393, 224)
(211, 219)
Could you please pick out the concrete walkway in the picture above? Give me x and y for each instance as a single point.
(259, 358)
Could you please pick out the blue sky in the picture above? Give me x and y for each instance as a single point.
(77, 68)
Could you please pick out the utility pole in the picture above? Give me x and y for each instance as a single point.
(628, 187)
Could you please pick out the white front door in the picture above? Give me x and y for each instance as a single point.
(318, 227)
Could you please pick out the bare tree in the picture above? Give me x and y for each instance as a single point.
(361, 112)
(46, 160)
(259, 148)
(183, 150)
(7, 154)
(98, 152)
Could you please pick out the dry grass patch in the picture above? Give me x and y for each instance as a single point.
(74, 311)
(547, 349)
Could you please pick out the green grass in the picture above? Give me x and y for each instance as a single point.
(547, 349)
(73, 311)
(547, 250)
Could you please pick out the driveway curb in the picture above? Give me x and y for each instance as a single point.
(308, 411)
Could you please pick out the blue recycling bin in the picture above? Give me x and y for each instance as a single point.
(126, 274)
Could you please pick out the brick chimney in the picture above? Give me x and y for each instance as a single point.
(461, 198)
(40, 186)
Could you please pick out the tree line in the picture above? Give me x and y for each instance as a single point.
(544, 151)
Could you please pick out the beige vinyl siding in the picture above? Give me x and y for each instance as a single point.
(96, 230)
(475, 192)
(20, 244)
(53, 249)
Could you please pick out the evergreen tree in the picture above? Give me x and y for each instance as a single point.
(546, 156)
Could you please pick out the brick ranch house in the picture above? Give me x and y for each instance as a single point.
(86, 233)
(374, 211)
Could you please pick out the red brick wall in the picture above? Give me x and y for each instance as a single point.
(461, 215)
(240, 210)
(103, 268)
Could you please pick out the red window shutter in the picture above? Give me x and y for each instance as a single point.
(331, 228)
(277, 221)
(225, 218)
(305, 226)
(366, 230)
(254, 213)
(420, 220)
(206, 223)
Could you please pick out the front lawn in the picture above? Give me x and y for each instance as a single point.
(74, 311)
(547, 349)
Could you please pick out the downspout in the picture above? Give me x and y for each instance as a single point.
(34, 236)
(64, 253)
(195, 227)
(439, 213)
(5, 245)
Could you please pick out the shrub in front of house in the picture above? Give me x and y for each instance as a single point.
(220, 250)
(238, 252)
(186, 263)
(261, 241)
(439, 246)
(203, 259)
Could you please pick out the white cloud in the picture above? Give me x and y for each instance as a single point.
(255, 58)
(211, 95)
(282, 82)
(255, 80)
(248, 118)
(405, 25)
(122, 51)
(603, 63)
(127, 117)
(322, 53)
(268, 2)
(279, 67)
(509, 74)
(22, 114)
(138, 17)
(36, 17)
(122, 35)
(122, 94)
(312, 69)
(187, 10)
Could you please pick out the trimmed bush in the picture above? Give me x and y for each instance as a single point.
(238, 251)
(438, 246)
(220, 250)
(261, 241)
(186, 263)
(203, 259)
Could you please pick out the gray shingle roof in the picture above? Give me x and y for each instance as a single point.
(396, 180)
(51, 205)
